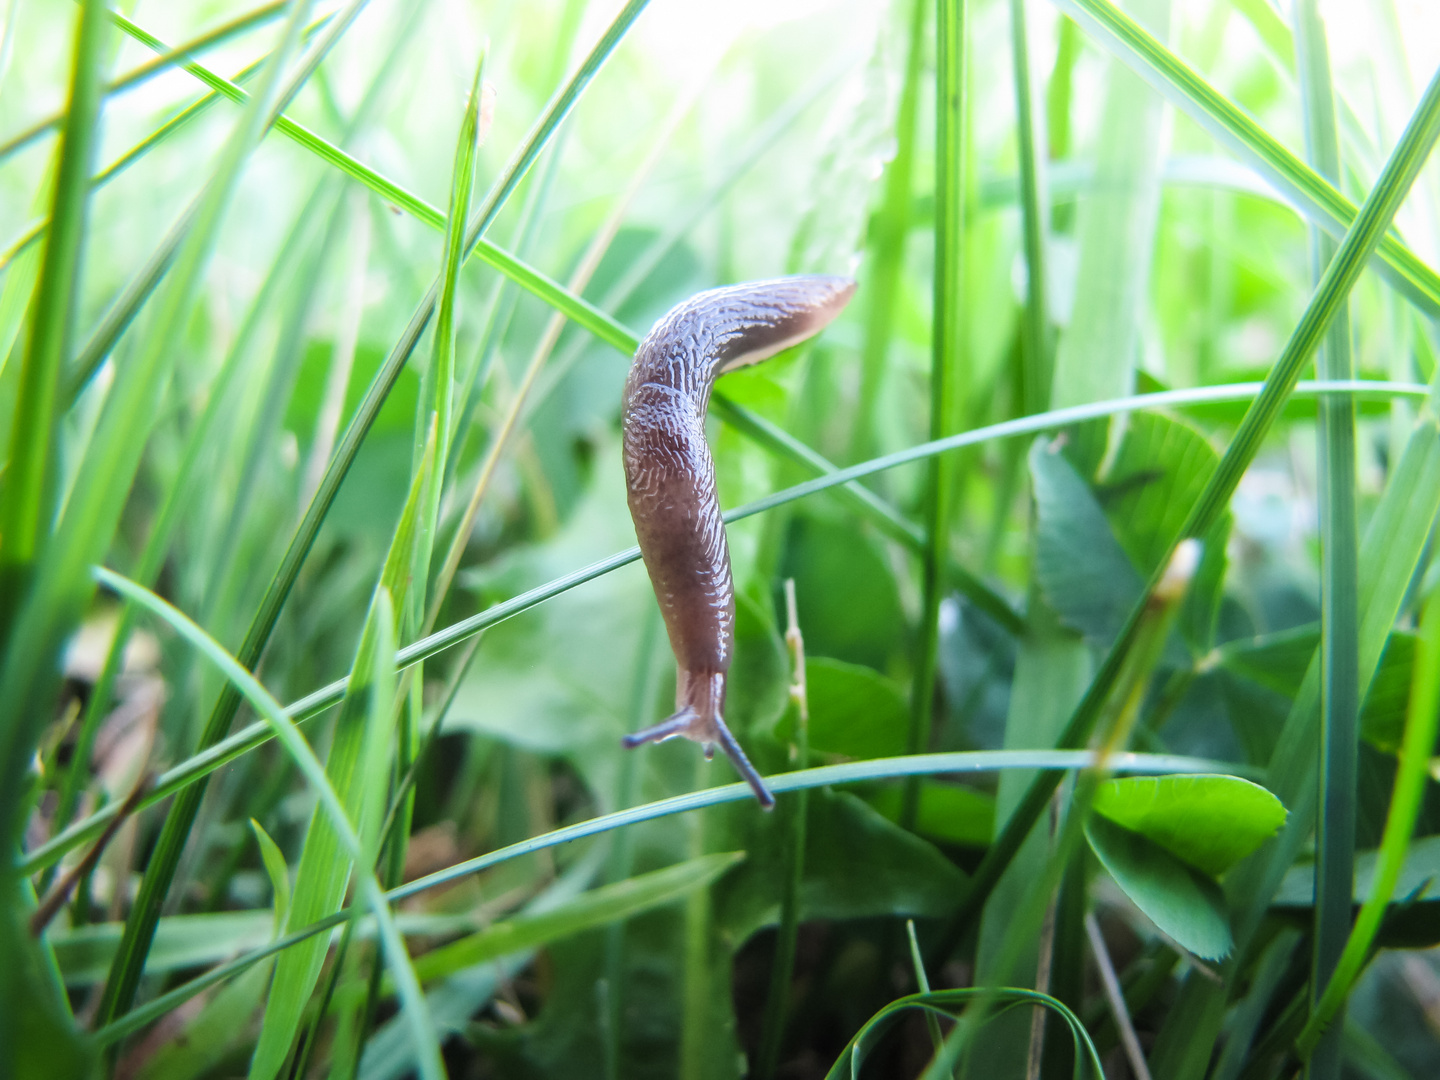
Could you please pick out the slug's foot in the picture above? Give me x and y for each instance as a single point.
(687, 722)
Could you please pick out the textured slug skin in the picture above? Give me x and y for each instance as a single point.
(670, 479)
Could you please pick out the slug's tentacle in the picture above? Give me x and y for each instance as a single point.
(670, 480)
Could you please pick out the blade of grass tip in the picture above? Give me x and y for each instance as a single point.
(1034, 213)
(127, 305)
(114, 453)
(1311, 194)
(947, 368)
(1405, 802)
(412, 999)
(890, 230)
(216, 36)
(441, 373)
(922, 982)
(854, 772)
(1339, 571)
(580, 278)
(208, 760)
(28, 498)
(325, 869)
(1334, 288)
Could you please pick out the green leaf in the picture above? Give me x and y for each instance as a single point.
(1081, 568)
(857, 864)
(949, 813)
(854, 711)
(1185, 904)
(1211, 822)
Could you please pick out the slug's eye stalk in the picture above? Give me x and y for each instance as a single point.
(670, 480)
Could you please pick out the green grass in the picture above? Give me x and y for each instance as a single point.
(312, 362)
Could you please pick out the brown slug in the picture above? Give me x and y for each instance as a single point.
(670, 480)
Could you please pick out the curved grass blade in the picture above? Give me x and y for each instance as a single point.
(1331, 294)
(853, 772)
(227, 750)
(427, 1052)
(948, 1003)
(1314, 196)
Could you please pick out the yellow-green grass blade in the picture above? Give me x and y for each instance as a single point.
(427, 1053)
(597, 322)
(1315, 197)
(209, 39)
(1331, 294)
(955, 763)
(212, 758)
(127, 305)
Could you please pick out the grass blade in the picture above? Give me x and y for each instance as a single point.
(28, 499)
(1340, 571)
(947, 367)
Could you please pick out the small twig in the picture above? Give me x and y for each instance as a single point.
(1116, 999)
(60, 891)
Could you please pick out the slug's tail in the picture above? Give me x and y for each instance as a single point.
(688, 722)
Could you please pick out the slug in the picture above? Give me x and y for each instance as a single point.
(670, 481)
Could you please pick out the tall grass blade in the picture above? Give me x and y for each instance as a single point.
(1339, 571)
(947, 366)
(27, 501)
